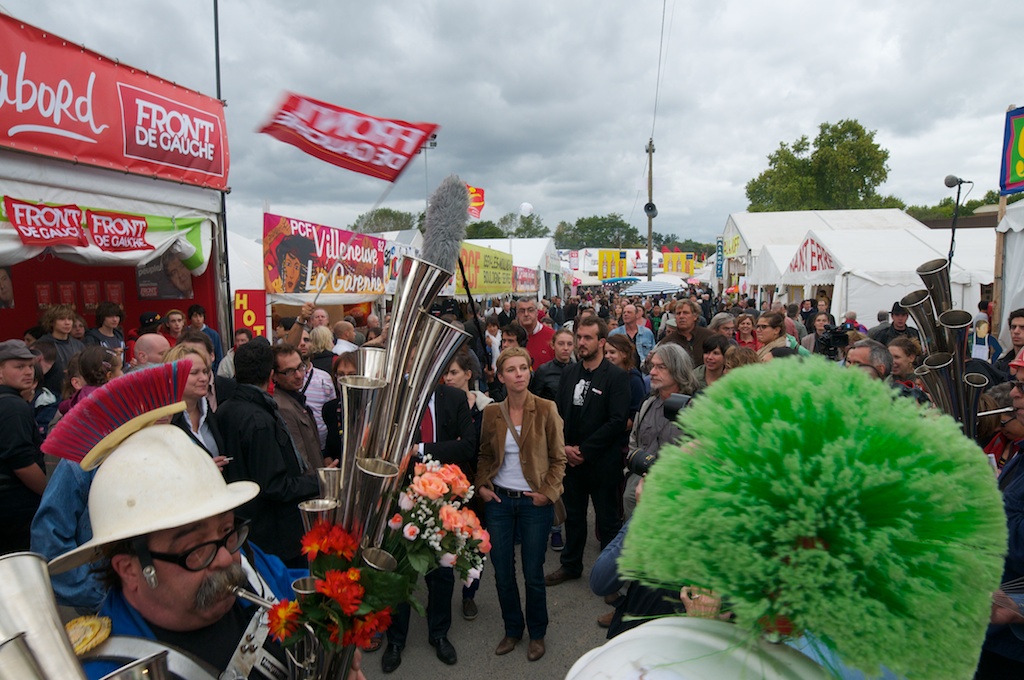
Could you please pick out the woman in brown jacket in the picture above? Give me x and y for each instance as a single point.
(519, 478)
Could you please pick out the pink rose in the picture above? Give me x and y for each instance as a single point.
(395, 523)
(411, 531)
(430, 485)
(485, 542)
(405, 501)
(419, 469)
(447, 560)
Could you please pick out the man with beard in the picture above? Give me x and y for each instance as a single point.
(592, 405)
(174, 552)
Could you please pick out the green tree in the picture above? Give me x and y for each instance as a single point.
(515, 225)
(384, 219)
(484, 229)
(841, 170)
(565, 236)
(943, 210)
(598, 231)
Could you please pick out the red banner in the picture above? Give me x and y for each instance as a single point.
(46, 225)
(117, 232)
(377, 147)
(61, 100)
(476, 201)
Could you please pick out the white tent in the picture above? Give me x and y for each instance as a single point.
(870, 271)
(747, 233)
(1012, 294)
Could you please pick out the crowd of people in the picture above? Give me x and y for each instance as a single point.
(552, 408)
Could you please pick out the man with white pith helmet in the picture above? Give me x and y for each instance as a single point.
(163, 522)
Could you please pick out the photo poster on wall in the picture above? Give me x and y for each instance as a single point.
(163, 279)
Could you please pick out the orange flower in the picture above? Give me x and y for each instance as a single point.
(340, 587)
(365, 627)
(429, 485)
(485, 542)
(455, 479)
(470, 521)
(284, 619)
(451, 519)
(419, 469)
(329, 539)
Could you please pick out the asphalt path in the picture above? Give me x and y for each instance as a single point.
(572, 630)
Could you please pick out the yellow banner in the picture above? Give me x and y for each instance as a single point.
(611, 264)
(731, 246)
(488, 271)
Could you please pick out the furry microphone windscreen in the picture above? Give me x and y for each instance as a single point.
(445, 227)
(815, 500)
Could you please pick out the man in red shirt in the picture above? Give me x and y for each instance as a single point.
(539, 336)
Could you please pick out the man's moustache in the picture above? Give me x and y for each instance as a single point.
(216, 586)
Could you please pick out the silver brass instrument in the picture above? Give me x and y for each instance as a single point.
(944, 332)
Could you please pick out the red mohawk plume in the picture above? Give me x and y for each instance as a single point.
(120, 408)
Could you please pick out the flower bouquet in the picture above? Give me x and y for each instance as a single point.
(339, 607)
(434, 527)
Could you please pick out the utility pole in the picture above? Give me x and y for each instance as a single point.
(650, 213)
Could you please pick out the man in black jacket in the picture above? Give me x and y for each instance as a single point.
(256, 438)
(447, 435)
(592, 400)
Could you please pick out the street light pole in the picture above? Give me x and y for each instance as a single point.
(650, 217)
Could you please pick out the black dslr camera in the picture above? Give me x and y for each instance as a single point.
(833, 338)
(640, 461)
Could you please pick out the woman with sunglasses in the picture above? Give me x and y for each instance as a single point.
(771, 333)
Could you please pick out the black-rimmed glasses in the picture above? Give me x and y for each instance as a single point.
(202, 555)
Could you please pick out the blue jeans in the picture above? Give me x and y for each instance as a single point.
(505, 520)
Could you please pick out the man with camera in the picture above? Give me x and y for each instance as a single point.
(655, 426)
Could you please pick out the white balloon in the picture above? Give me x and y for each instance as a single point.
(525, 209)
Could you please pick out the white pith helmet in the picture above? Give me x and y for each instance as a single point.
(156, 479)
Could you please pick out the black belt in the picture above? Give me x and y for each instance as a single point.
(509, 492)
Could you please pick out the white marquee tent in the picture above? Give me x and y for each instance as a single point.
(870, 271)
(1012, 294)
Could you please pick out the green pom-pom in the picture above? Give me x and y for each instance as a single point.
(812, 494)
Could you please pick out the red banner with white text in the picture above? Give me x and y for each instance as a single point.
(373, 146)
(61, 100)
(45, 225)
(117, 232)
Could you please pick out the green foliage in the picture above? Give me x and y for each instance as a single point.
(943, 210)
(484, 229)
(842, 171)
(598, 231)
(814, 494)
(515, 225)
(384, 219)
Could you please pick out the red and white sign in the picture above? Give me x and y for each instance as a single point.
(46, 225)
(574, 260)
(61, 100)
(811, 257)
(355, 141)
(525, 280)
(117, 232)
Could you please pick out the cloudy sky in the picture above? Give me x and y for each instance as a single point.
(552, 103)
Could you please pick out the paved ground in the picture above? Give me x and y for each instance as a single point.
(573, 630)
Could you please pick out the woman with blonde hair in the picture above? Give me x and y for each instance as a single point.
(197, 419)
(321, 342)
(519, 478)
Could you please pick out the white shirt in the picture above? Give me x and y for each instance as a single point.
(511, 476)
(344, 346)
